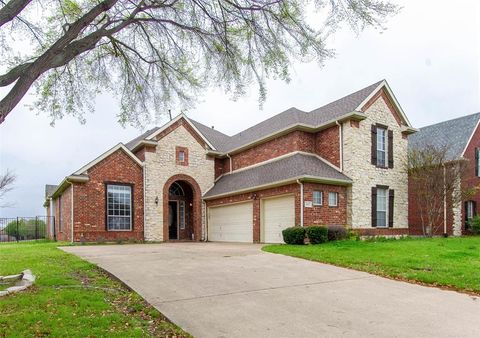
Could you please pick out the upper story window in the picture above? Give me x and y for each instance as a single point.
(181, 155)
(382, 147)
(317, 198)
(119, 207)
(333, 199)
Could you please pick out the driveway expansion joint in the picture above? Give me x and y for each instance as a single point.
(264, 289)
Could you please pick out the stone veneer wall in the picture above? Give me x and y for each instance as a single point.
(160, 166)
(357, 165)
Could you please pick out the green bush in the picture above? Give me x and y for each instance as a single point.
(26, 229)
(337, 232)
(317, 234)
(474, 224)
(294, 235)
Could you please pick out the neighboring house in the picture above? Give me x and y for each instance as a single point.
(336, 165)
(461, 136)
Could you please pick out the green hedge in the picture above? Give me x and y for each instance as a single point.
(317, 234)
(294, 235)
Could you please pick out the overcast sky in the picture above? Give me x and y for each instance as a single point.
(430, 55)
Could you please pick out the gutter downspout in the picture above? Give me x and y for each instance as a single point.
(71, 211)
(144, 167)
(444, 201)
(340, 137)
(230, 158)
(301, 202)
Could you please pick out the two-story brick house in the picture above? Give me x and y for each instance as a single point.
(336, 165)
(461, 137)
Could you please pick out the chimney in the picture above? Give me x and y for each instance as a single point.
(213, 127)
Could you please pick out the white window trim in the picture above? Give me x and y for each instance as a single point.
(469, 210)
(385, 144)
(321, 197)
(387, 192)
(131, 210)
(336, 199)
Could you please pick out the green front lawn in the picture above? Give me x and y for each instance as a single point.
(72, 298)
(448, 262)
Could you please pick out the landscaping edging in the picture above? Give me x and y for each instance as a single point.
(23, 281)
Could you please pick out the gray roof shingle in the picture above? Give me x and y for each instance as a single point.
(132, 143)
(453, 134)
(291, 167)
(283, 120)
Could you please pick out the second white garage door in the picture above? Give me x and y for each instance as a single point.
(231, 223)
(278, 214)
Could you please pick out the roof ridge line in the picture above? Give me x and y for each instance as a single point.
(450, 120)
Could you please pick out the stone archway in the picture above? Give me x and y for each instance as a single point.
(182, 190)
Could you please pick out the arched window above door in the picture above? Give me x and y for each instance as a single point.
(176, 190)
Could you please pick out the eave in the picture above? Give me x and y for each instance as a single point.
(355, 115)
(303, 178)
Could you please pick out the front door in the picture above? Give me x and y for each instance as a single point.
(172, 220)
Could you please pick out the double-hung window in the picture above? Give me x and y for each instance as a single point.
(317, 198)
(382, 207)
(469, 210)
(119, 207)
(333, 199)
(382, 147)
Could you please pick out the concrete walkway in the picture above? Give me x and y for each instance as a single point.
(235, 290)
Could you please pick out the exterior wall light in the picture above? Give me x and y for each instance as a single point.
(156, 200)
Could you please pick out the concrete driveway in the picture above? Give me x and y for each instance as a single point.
(235, 290)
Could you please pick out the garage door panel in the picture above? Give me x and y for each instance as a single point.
(278, 214)
(231, 223)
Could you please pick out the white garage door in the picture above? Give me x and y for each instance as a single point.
(278, 214)
(231, 223)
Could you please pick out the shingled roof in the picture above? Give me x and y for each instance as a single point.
(289, 168)
(453, 134)
(282, 121)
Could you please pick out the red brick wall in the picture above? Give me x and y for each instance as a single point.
(470, 179)
(294, 141)
(140, 153)
(89, 199)
(324, 143)
(324, 214)
(63, 218)
(415, 217)
(327, 144)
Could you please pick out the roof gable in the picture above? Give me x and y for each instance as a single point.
(383, 90)
(454, 134)
(109, 152)
(177, 119)
(349, 106)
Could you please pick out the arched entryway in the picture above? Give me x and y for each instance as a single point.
(181, 209)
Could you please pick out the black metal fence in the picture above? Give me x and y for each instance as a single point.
(16, 229)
